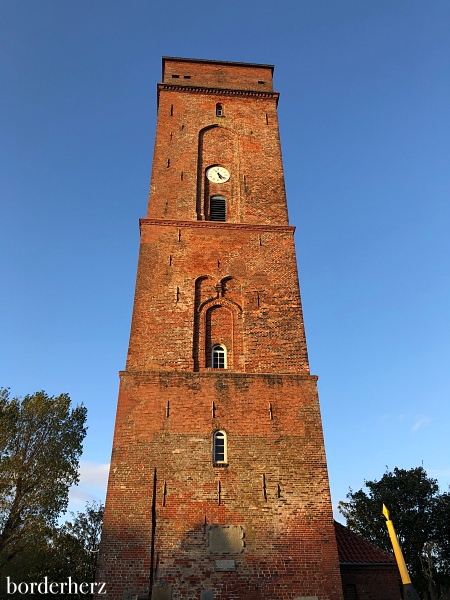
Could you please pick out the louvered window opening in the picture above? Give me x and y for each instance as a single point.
(217, 209)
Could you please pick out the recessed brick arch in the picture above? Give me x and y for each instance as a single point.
(205, 290)
(219, 322)
(218, 331)
(218, 145)
(231, 289)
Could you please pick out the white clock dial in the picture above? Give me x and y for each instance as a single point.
(217, 174)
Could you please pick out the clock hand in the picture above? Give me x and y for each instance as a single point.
(220, 176)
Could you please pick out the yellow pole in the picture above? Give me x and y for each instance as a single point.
(409, 593)
(397, 550)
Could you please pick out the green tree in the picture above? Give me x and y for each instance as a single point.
(78, 543)
(440, 544)
(69, 550)
(420, 516)
(40, 444)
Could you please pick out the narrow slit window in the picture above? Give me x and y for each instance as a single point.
(219, 447)
(219, 357)
(219, 110)
(217, 208)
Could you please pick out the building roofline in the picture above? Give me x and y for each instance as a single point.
(215, 62)
(354, 550)
(367, 564)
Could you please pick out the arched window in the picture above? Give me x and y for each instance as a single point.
(217, 208)
(219, 357)
(219, 110)
(220, 447)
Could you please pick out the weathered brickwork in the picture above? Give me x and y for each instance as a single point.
(371, 583)
(233, 283)
(187, 269)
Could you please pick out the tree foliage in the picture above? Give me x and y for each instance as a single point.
(60, 552)
(78, 542)
(421, 517)
(40, 443)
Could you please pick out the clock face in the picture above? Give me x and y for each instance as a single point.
(217, 174)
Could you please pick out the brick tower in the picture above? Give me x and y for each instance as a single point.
(218, 487)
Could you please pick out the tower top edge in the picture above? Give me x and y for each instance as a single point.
(217, 73)
(216, 62)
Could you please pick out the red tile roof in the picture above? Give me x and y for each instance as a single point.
(353, 549)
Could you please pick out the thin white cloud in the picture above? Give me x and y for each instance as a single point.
(91, 487)
(422, 421)
(93, 474)
(79, 497)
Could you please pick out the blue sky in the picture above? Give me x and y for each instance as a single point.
(365, 129)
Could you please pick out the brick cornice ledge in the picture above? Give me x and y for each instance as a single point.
(217, 90)
(151, 374)
(216, 225)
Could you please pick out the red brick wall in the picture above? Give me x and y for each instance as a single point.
(168, 330)
(370, 583)
(235, 283)
(245, 140)
(290, 548)
(223, 75)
